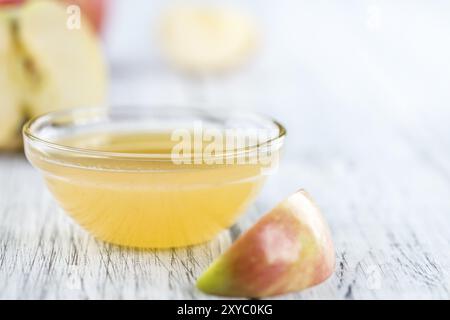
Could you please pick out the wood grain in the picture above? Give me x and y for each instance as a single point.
(384, 192)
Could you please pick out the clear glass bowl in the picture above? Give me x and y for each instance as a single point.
(153, 177)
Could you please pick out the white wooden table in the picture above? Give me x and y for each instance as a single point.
(371, 147)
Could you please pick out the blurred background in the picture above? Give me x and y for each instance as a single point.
(324, 68)
(370, 58)
(366, 54)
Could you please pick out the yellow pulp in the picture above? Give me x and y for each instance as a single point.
(141, 203)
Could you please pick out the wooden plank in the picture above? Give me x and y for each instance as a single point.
(386, 202)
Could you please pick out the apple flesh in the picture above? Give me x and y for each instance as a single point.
(10, 113)
(202, 39)
(288, 249)
(65, 67)
(45, 66)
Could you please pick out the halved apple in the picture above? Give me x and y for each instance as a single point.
(65, 66)
(288, 249)
(207, 39)
(10, 113)
(45, 65)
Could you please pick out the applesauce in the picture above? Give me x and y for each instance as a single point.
(124, 187)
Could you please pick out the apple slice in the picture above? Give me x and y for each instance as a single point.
(65, 66)
(10, 113)
(289, 249)
(204, 39)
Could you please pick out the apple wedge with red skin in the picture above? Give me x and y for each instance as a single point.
(288, 249)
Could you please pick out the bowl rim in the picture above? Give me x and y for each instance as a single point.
(27, 130)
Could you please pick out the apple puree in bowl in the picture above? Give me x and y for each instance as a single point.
(151, 177)
(161, 204)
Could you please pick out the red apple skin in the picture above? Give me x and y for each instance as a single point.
(11, 2)
(288, 249)
(94, 10)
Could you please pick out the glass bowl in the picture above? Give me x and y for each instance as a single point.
(154, 177)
